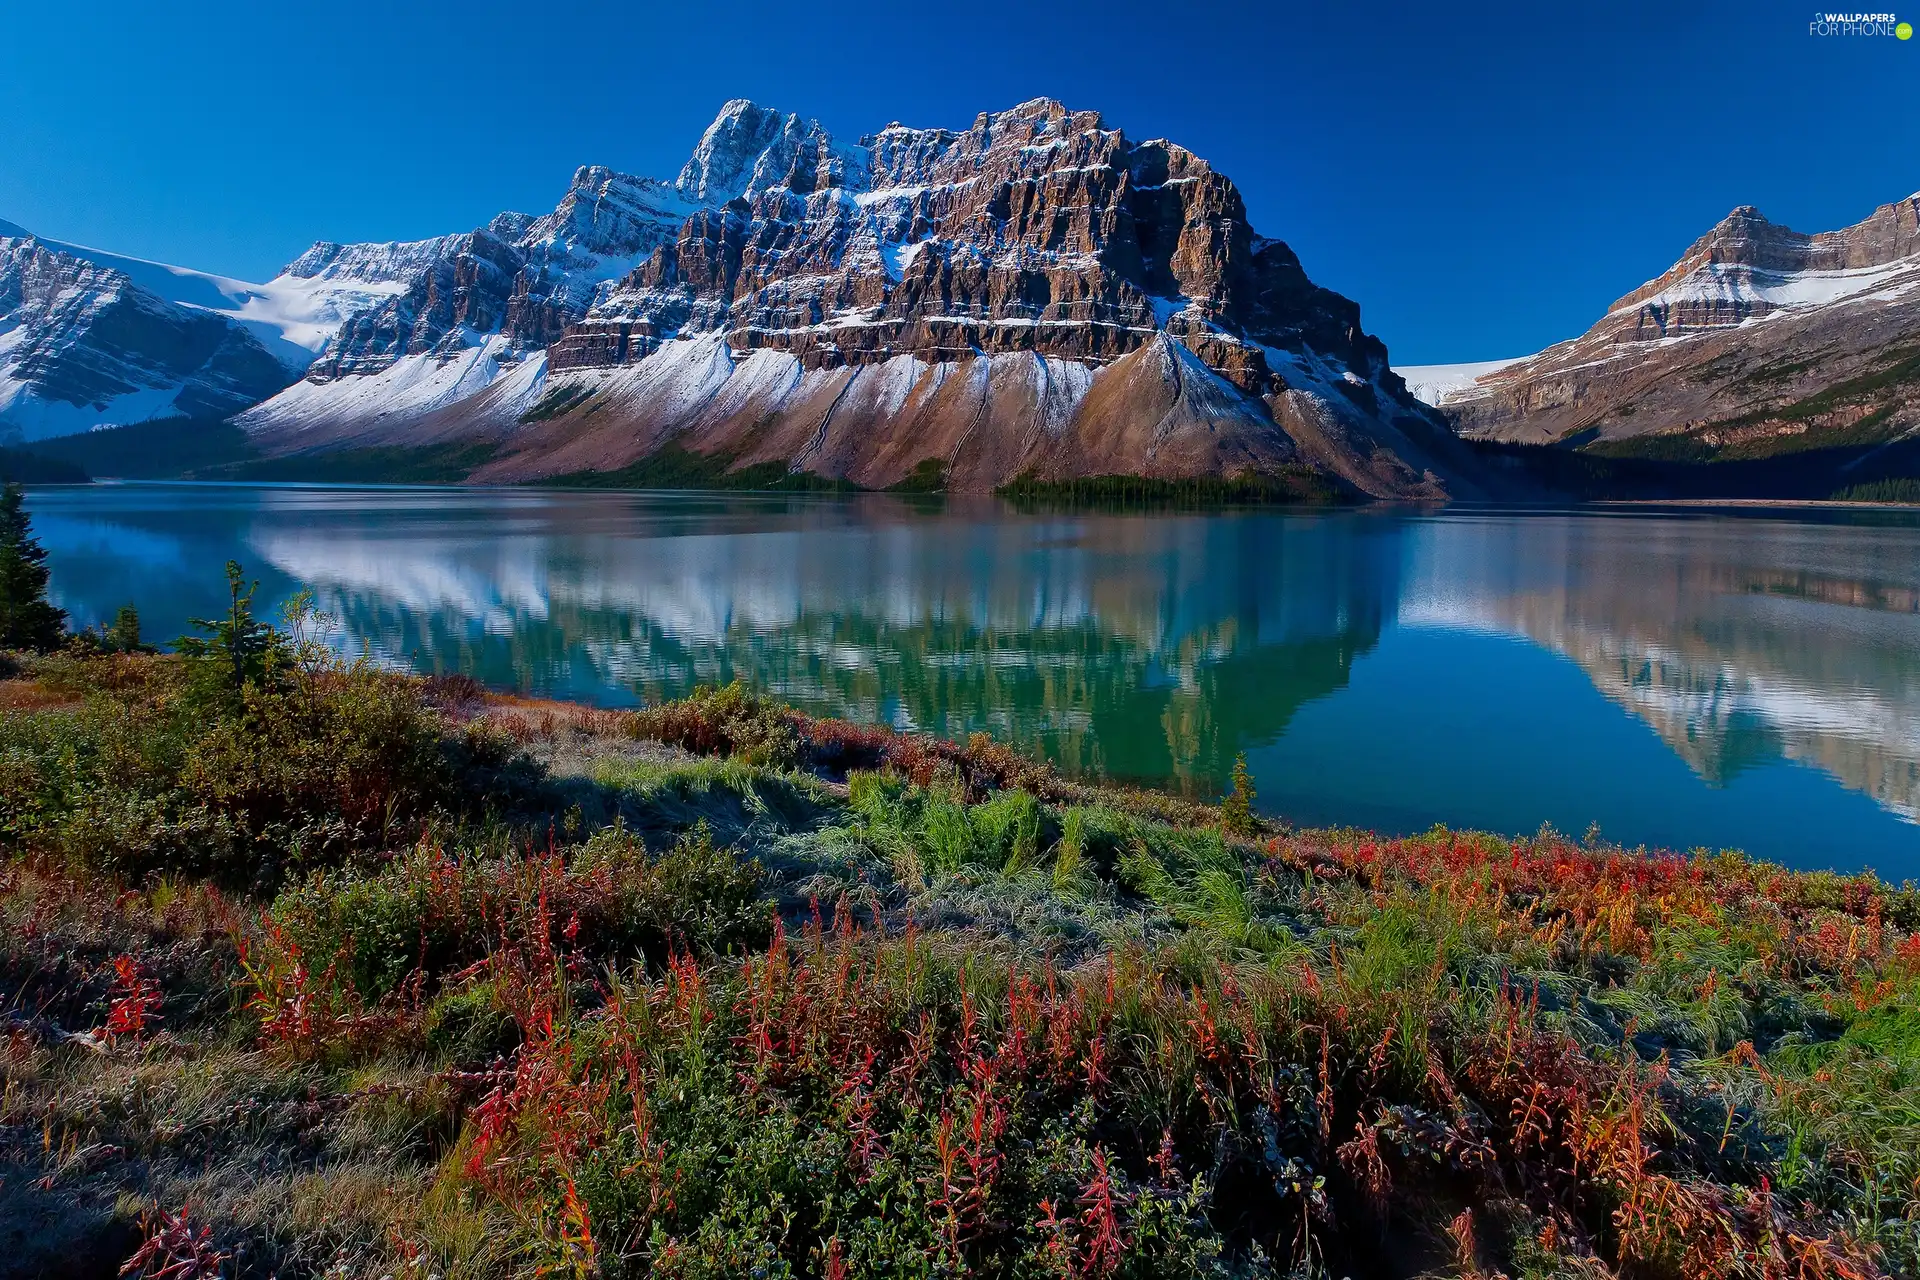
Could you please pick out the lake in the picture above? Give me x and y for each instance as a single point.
(1679, 677)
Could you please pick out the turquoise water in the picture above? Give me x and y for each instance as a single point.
(1680, 678)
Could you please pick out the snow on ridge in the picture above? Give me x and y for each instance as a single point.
(291, 316)
(1437, 384)
(30, 418)
(412, 386)
(1739, 283)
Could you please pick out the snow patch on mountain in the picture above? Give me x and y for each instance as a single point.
(1737, 283)
(292, 317)
(26, 417)
(1436, 384)
(412, 386)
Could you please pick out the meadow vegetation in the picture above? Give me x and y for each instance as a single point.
(309, 968)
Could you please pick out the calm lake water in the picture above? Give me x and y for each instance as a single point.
(1682, 678)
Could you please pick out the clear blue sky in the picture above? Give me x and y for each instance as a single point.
(1483, 181)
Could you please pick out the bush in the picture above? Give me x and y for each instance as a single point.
(606, 902)
(168, 768)
(733, 720)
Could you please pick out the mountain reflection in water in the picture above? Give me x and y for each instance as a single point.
(1141, 646)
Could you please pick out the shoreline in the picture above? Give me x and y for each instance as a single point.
(1813, 504)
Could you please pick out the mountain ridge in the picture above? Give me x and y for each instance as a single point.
(1014, 264)
(1759, 341)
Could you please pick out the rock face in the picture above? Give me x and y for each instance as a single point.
(521, 277)
(82, 345)
(1036, 293)
(1758, 341)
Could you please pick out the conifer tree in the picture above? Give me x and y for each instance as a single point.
(237, 650)
(28, 620)
(1236, 811)
(123, 636)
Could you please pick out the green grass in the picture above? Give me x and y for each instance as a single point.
(375, 976)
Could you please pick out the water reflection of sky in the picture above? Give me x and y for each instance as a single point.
(1680, 678)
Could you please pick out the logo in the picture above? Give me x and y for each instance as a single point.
(1859, 24)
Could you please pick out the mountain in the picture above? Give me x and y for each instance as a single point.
(1760, 342)
(1034, 294)
(90, 339)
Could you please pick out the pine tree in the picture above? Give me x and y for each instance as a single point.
(27, 619)
(238, 650)
(1236, 811)
(123, 636)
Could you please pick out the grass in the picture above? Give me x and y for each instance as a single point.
(350, 973)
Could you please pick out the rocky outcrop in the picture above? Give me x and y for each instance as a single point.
(1759, 340)
(81, 345)
(524, 277)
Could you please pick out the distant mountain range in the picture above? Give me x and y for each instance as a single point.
(1760, 344)
(1035, 295)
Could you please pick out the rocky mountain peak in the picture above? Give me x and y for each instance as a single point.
(747, 149)
(1759, 339)
(87, 346)
(925, 273)
(607, 212)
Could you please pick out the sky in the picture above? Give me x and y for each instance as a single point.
(1483, 179)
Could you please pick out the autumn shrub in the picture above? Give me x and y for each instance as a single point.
(865, 1099)
(609, 901)
(957, 1017)
(144, 776)
(731, 720)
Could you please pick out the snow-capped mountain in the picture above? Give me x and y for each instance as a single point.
(1759, 340)
(1035, 293)
(88, 338)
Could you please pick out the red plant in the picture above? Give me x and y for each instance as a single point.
(134, 1001)
(1103, 1245)
(172, 1249)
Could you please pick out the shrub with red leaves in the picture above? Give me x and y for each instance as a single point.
(133, 1002)
(172, 1248)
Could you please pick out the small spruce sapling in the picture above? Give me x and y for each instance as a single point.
(1236, 811)
(238, 650)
